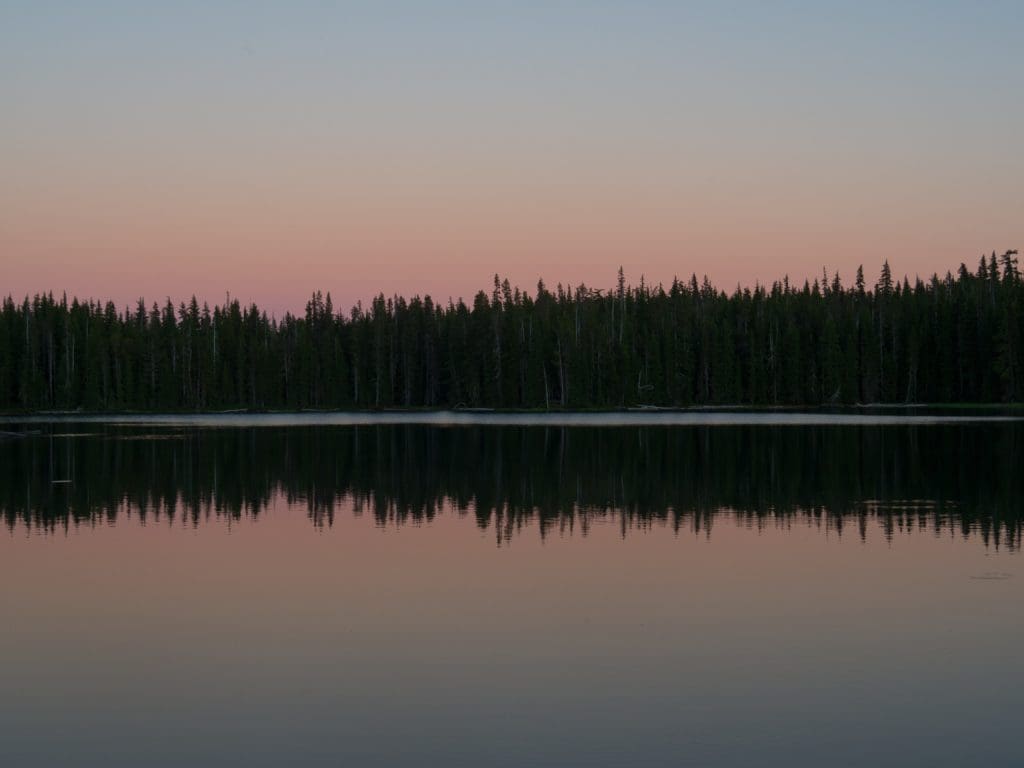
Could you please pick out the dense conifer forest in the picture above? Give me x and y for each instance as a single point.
(957, 338)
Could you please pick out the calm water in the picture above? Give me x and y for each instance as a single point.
(478, 590)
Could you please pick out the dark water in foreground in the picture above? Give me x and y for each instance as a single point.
(749, 593)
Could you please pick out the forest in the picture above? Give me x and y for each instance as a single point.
(952, 339)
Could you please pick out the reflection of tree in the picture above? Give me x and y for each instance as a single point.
(961, 478)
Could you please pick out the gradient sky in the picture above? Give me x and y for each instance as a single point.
(271, 149)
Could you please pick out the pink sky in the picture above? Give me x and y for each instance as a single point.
(273, 236)
(201, 151)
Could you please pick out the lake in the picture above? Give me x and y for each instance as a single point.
(707, 589)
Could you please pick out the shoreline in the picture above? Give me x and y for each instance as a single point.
(703, 416)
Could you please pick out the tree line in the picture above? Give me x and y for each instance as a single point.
(957, 338)
(961, 479)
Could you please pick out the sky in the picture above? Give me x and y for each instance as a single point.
(268, 150)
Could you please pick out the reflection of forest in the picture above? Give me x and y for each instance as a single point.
(937, 477)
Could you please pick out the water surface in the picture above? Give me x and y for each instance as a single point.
(729, 591)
